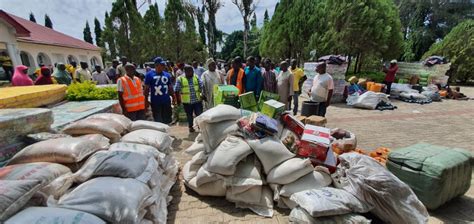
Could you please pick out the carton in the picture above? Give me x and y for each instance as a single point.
(265, 96)
(316, 120)
(248, 102)
(272, 108)
(226, 94)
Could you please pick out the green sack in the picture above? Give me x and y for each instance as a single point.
(436, 174)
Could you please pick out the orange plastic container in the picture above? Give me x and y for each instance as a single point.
(376, 87)
(369, 84)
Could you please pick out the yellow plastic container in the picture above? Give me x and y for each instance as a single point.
(31, 96)
(369, 84)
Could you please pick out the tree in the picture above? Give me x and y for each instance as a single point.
(426, 21)
(246, 8)
(213, 35)
(47, 21)
(253, 22)
(201, 24)
(109, 37)
(87, 34)
(362, 28)
(32, 17)
(128, 29)
(233, 45)
(98, 33)
(181, 39)
(266, 17)
(458, 47)
(154, 26)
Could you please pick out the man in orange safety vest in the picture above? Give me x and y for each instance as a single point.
(131, 96)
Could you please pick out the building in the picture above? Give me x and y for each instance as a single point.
(31, 44)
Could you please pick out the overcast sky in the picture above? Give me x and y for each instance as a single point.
(70, 16)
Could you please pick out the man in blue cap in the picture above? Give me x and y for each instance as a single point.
(159, 87)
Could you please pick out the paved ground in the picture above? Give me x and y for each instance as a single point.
(448, 123)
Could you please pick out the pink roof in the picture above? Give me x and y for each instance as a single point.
(43, 35)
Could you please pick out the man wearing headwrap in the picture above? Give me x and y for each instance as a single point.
(210, 78)
(61, 75)
(20, 77)
(45, 77)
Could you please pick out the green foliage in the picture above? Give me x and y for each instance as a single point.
(201, 24)
(47, 21)
(458, 47)
(377, 77)
(32, 17)
(154, 27)
(109, 38)
(98, 33)
(425, 21)
(89, 91)
(233, 45)
(266, 17)
(87, 34)
(213, 34)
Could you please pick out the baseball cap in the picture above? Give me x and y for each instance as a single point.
(159, 60)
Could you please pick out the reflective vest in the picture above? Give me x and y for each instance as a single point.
(240, 78)
(132, 94)
(186, 89)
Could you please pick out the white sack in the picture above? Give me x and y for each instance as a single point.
(108, 128)
(203, 176)
(372, 183)
(195, 148)
(246, 176)
(53, 215)
(313, 180)
(59, 150)
(160, 140)
(250, 196)
(146, 150)
(14, 194)
(370, 100)
(191, 168)
(218, 113)
(125, 122)
(413, 95)
(289, 171)
(157, 126)
(264, 207)
(224, 159)
(328, 201)
(117, 164)
(115, 200)
(301, 216)
(216, 188)
(214, 133)
(270, 152)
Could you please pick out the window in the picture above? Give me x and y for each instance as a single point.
(71, 59)
(42, 58)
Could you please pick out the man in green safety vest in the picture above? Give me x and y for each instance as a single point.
(188, 90)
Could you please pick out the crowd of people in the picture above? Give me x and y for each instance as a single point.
(166, 84)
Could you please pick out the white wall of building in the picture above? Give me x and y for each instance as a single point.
(8, 40)
(55, 54)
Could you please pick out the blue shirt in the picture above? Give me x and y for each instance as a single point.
(159, 86)
(253, 80)
(198, 71)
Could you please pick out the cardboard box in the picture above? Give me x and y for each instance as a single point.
(316, 120)
(316, 134)
(301, 118)
(265, 96)
(315, 144)
(247, 100)
(226, 94)
(272, 108)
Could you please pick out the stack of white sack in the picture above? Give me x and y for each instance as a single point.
(368, 100)
(248, 172)
(126, 182)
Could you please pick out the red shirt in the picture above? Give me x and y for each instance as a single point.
(390, 73)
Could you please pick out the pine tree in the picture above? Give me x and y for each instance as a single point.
(47, 21)
(213, 35)
(253, 22)
(109, 37)
(32, 17)
(246, 9)
(98, 33)
(266, 17)
(87, 34)
(154, 26)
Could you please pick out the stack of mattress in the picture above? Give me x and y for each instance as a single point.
(31, 96)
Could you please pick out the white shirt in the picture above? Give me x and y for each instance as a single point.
(321, 86)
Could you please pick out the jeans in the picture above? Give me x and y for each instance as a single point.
(389, 87)
(322, 109)
(162, 113)
(136, 115)
(190, 109)
(296, 95)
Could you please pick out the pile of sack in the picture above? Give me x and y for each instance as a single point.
(83, 178)
(260, 172)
